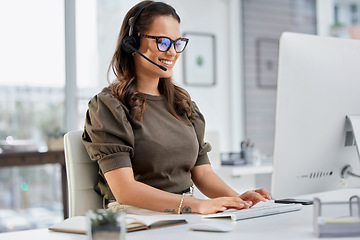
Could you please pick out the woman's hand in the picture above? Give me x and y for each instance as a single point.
(256, 196)
(209, 206)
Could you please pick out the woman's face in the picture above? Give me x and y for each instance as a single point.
(165, 26)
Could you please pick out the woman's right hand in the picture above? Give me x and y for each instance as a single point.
(220, 204)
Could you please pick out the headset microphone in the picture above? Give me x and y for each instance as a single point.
(126, 44)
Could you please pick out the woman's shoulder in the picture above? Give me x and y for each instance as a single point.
(107, 94)
(106, 99)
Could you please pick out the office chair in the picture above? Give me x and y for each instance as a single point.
(82, 175)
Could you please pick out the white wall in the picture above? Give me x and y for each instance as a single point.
(324, 16)
(221, 104)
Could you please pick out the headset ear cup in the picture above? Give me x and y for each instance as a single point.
(132, 41)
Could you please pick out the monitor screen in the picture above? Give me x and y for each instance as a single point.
(318, 86)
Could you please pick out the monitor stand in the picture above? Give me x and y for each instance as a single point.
(354, 121)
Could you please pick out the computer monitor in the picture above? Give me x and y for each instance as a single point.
(318, 86)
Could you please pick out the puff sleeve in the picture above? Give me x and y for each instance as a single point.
(108, 135)
(199, 126)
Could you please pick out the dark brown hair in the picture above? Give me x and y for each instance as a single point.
(122, 65)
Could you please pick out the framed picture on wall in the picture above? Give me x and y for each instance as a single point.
(199, 59)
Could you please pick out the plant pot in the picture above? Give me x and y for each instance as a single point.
(106, 224)
(55, 144)
(106, 232)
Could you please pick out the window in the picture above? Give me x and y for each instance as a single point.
(32, 74)
(32, 81)
(32, 94)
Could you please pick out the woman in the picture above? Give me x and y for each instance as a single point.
(145, 133)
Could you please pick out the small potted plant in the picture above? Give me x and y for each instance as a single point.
(106, 224)
(55, 139)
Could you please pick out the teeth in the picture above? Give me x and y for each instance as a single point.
(166, 62)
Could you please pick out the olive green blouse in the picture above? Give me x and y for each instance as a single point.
(161, 149)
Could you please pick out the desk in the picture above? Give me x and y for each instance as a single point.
(38, 158)
(244, 177)
(294, 226)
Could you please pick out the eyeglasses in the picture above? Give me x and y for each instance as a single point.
(164, 43)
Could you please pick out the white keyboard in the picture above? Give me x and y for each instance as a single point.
(259, 210)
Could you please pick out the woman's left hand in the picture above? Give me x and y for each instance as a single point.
(256, 196)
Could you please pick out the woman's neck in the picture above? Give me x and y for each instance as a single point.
(148, 86)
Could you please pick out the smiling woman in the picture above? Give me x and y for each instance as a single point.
(146, 133)
(165, 56)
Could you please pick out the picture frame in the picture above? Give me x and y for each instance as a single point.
(200, 59)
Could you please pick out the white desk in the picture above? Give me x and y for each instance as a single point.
(295, 225)
(241, 170)
(245, 177)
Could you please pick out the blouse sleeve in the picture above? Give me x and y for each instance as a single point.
(199, 126)
(108, 135)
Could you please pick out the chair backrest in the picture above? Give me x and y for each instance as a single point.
(82, 175)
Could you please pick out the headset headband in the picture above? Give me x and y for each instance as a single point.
(134, 20)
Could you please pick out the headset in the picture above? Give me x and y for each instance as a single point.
(131, 43)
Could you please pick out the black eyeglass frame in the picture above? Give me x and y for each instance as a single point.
(172, 42)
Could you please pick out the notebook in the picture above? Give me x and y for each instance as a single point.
(77, 224)
(259, 210)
